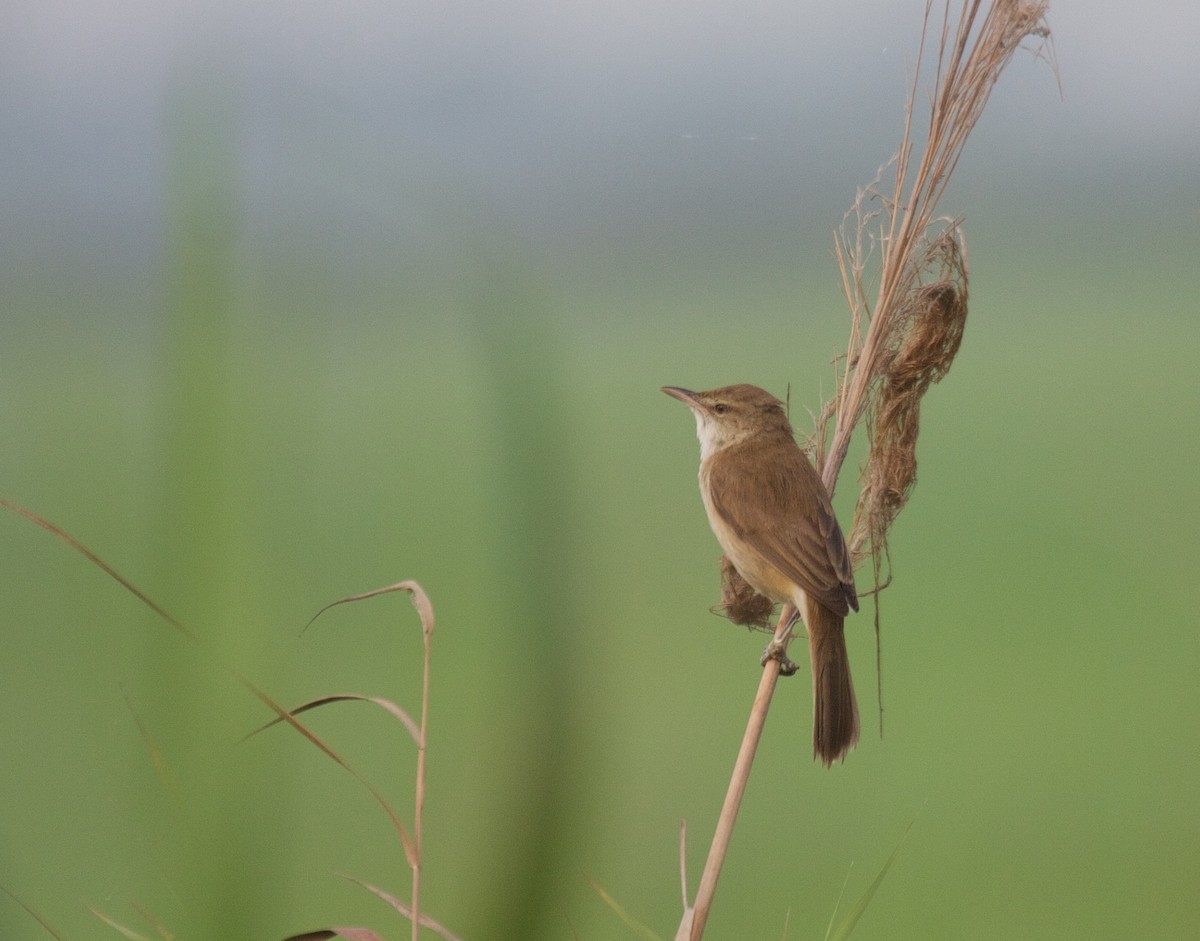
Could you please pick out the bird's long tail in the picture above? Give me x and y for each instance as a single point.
(835, 711)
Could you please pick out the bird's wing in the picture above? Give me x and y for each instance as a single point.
(785, 514)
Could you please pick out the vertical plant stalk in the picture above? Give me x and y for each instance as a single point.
(908, 338)
(737, 786)
(419, 733)
(421, 602)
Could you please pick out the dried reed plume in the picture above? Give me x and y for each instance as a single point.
(907, 339)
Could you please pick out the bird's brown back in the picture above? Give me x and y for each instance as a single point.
(784, 514)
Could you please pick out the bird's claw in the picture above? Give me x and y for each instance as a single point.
(777, 651)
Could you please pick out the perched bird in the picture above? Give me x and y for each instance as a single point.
(772, 516)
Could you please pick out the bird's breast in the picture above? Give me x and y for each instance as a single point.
(740, 549)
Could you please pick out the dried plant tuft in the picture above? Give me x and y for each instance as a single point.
(923, 335)
(904, 337)
(741, 603)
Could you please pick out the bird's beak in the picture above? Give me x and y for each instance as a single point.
(686, 396)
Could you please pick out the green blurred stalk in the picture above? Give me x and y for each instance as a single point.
(533, 497)
(191, 698)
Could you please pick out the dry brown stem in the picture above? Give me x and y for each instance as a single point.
(694, 919)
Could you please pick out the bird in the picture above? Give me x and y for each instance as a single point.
(775, 522)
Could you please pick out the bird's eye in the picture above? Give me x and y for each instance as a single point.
(720, 408)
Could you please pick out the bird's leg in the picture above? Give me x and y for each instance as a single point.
(777, 648)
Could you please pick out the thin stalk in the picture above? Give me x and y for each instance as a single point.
(739, 779)
(419, 800)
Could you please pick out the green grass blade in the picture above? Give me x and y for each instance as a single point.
(843, 930)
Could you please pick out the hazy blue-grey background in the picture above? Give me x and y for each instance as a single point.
(300, 299)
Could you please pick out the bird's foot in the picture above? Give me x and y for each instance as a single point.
(777, 651)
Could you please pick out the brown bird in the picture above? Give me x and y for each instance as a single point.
(772, 515)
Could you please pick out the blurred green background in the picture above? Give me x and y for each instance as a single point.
(298, 301)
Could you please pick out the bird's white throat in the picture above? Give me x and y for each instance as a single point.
(714, 435)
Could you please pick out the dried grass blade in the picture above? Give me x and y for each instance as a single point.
(98, 562)
(403, 909)
(386, 704)
(420, 601)
(157, 759)
(159, 928)
(621, 913)
(285, 716)
(683, 862)
(118, 927)
(32, 914)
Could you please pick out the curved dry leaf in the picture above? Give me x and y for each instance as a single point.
(284, 716)
(421, 602)
(417, 595)
(385, 704)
